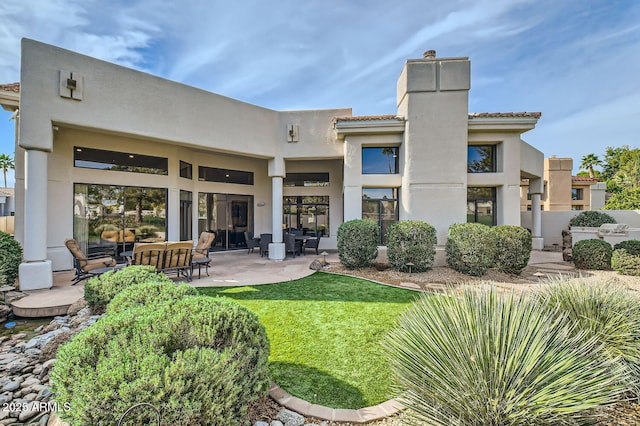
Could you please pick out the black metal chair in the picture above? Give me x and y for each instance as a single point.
(291, 245)
(265, 240)
(312, 243)
(251, 242)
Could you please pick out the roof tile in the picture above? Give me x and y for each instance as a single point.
(523, 114)
(11, 87)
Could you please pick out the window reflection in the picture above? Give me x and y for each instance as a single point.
(380, 160)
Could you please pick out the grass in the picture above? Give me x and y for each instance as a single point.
(325, 332)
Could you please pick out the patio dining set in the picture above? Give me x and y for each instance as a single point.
(295, 241)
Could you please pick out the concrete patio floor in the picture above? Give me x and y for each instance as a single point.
(236, 268)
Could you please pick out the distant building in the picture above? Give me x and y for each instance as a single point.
(564, 192)
(7, 202)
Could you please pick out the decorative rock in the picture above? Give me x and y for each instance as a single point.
(276, 423)
(6, 288)
(261, 424)
(37, 369)
(44, 394)
(5, 397)
(7, 358)
(11, 296)
(16, 366)
(11, 386)
(3, 414)
(18, 336)
(8, 421)
(44, 420)
(30, 412)
(79, 308)
(49, 363)
(32, 352)
(39, 329)
(29, 381)
(289, 418)
(43, 339)
(30, 396)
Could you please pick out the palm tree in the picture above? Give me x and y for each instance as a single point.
(389, 152)
(6, 163)
(588, 162)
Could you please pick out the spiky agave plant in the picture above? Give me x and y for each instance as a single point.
(481, 358)
(604, 309)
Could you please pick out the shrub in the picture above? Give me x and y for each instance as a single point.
(411, 241)
(625, 263)
(99, 291)
(358, 243)
(591, 218)
(149, 293)
(601, 309)
(513, 248)
(484, 359)
(10, 258)
(592, 254)
(199, 360)
(631, 246)
(471, 248)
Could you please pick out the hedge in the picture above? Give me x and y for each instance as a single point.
(471, 248)
(10, 259)
(411, 241)
(592, 254)
(513, 248)
(358, 241)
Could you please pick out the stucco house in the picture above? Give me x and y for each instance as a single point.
(564, 192)
(103, 148)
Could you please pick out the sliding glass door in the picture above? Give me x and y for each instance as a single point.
(109, 218)
(228, 215)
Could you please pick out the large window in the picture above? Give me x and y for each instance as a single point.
(481, 159)
(186, 208)
(309, 214)
(113, 218)
(381, 206)
(481, 203)
(119, 161)
(577, 194)
(212, 174)
(306, 179)
(380, 160)
(186, 170)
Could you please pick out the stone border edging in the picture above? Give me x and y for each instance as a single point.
(363, 415)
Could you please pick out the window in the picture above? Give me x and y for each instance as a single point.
(212, 174)
(381, 206)
(481, 204)
(186, 208)
(228, 215)
(380, 160)
(481, 159)
(306, 179)
(577, 194)
(577, 207)
(113, 217)
(186, 170)
(119, 161)
(309, 214)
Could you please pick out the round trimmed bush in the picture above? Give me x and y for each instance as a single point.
(199, 360)
(625, 263)
(149, 293)
(513, 248)
(592, 254)
(471, 248)
(98, 291)
(631, 246)
(483, 358)
(411, 241)
(358, 241)
(10, 258)
(591, 218)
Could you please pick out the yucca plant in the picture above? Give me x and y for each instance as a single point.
(480, 358)
(602, 309)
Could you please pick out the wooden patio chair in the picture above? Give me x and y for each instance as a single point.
(85, 264)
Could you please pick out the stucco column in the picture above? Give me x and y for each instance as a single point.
(276, 172)
(535, 188)
(36, 271)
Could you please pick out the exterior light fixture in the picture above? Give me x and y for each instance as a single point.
(324, 255)
(130, 155)
(409, 264)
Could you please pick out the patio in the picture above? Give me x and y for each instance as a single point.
(234, 268)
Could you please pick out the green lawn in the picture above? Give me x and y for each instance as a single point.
(325, 332)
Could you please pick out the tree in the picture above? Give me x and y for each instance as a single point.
(6, 163)
(626, 199)
(589, 161)
(612, 160)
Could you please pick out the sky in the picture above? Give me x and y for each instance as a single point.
(576, 61)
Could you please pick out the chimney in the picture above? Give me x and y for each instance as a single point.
(429, 54)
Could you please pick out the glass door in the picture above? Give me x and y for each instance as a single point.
(381, 206)
(228, 215)
(186, 201)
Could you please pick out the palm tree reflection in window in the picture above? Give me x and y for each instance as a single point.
(390, 153)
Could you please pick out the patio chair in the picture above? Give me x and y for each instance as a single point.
(251, 242)
(312, 243)
(291, 245)
(177, 258)
(265, 240)
(203, 245)
(85, 264)
(149, 254)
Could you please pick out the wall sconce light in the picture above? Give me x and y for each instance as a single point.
(292, 133)
(261, 204)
